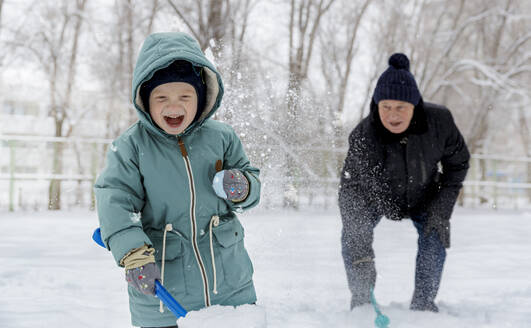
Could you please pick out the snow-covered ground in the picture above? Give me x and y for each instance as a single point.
(53, 275)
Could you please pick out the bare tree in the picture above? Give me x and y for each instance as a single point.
(218, 25)
(1, 6)
(338, 48)
(304, 24)
(115, 56)
(525, 134)
(54, 43)
(463, 53)
(338, 45)
(1, 22)
(305, 19)
(474, 57)
(131, 29)
(468, 57)
(212, 21)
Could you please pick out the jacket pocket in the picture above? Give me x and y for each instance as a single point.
(237, 266)
(174, 280)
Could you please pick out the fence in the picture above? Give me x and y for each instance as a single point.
(26, 162)
(498, 181)
(26, 165)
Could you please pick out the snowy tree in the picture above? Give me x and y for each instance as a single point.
(298, 75)
(476, 60)
(339, 42)
(118, 37)
(53, 40)
(1, 6)
(304, 25)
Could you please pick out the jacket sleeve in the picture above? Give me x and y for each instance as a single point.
(361, 189)
(235, 158)
(351, 198)
(455, 163)
(120, 200)
(359, 199)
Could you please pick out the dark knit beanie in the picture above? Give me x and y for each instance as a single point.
(397, 83)
(178, 71)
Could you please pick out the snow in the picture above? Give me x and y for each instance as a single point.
(53, 275)
(135, 216)
(245, 316)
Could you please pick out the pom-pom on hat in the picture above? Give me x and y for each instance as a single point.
(178, 71)
(397, 82)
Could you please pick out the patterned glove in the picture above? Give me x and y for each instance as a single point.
(141, 271)
(231, 185)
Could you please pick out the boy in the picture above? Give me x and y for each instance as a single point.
(173, 180)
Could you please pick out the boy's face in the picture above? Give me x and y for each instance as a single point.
(173, 106)
(395, 114)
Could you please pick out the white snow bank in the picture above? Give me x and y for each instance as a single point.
(245, 316)
(53, 275)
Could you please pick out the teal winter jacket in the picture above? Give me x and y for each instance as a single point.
(153, 180)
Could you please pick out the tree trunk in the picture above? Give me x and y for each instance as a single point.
(54, 193)
(524, 133)
(291, 136)
(130, 52)
(305, 17)
(1, 6)
(216, 26)
(60, 114)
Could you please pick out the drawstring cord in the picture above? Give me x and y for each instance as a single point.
(213, 222)
(168, 227)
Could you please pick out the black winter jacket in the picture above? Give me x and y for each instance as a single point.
(368, 186)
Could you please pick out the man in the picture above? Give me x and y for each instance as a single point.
(406, 159)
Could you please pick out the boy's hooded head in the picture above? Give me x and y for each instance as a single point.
(172, 82)
(178, 71)
(160, 55)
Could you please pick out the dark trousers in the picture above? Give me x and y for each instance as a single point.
(358, 256)
(431, 255)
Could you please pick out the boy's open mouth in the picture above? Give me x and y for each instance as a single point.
(174, 120)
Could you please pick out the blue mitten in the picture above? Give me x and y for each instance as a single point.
(231, 185)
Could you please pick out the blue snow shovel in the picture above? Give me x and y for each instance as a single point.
(160, 291)
(381, 321)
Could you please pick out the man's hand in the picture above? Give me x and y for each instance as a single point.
(231, 185)
(141, 271)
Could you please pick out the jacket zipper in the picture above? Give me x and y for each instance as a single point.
(194, 223)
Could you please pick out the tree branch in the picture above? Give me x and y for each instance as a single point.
(194, 32)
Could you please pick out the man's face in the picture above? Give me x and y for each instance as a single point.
(395, 114)
(173, 106)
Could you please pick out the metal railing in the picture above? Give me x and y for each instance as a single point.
(26, 161)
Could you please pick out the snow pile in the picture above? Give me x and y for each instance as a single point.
(245, 316)
(52, 274)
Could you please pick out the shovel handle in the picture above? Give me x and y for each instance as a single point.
(168, 300)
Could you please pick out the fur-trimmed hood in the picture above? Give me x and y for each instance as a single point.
(159, 51)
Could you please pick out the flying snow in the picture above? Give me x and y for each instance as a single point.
(135, 216)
